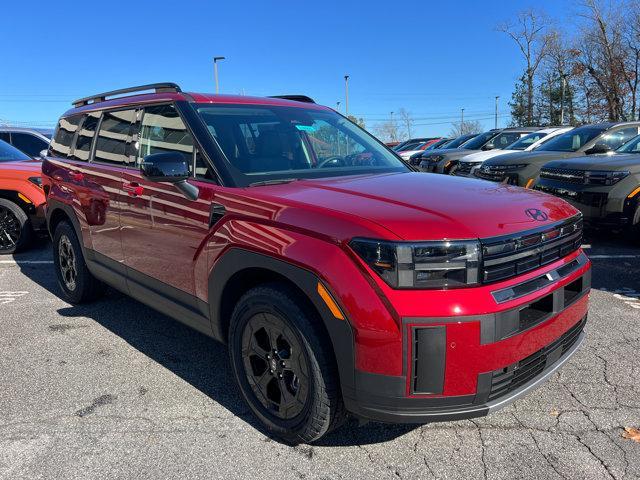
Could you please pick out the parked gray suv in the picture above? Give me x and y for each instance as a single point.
(606, 189)
(443, 160)
(523, 168)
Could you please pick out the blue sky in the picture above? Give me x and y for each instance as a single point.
(432, 58)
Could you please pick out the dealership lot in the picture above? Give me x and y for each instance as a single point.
(116, 389)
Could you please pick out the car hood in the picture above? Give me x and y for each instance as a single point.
(480, 157)
(621, 162)
(529, 158)
(408, 206)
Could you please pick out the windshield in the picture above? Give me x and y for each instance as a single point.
(571, 141)
(9, 153)
(438, 144)
(266, 142)
(526, 141)
(504, 139)
(456, 142)
(632, 146)
(477, 142)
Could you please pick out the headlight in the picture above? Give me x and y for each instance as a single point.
(603, 177)
(421, 265)
(36, 180)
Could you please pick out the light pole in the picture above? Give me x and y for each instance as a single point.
(215, 71)
(462, 119)
(564, 86)
(496, 122)
(338, 106)
(346, 95)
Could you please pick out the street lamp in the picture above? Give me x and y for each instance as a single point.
(496, 122)
(215, 70)
(346, 96)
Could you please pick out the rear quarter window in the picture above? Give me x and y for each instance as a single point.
(63, 138)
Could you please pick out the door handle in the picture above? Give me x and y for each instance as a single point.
(133, 189)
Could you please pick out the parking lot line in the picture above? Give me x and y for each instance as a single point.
(614, 256)
(25, 262)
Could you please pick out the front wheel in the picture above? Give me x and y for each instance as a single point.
(15, 228)
(285, 373)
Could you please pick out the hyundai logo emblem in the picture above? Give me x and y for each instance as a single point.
(537, 215)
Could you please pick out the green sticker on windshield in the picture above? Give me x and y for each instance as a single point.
(306, 128)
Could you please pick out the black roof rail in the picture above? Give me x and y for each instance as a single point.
(101, 97)
(295, 98)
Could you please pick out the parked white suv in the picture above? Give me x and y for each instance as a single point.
(470, 163)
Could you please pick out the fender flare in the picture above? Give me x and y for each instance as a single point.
(52, 206)
(236, 259)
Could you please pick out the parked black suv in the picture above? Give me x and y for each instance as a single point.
(606, 189)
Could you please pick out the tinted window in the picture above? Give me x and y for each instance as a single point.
(82, 148)
(163, 131)
(456, 142)
(526, 141)
(4, 136)
(571, 141)
(9, 153)
(114, 137)
(29, 144)
(61, 144)
(617, 138)
(477, 142)
(504, 139)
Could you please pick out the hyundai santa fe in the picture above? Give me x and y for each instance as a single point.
(342, 281)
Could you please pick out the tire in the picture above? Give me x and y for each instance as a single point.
(311, 404)
(75, 280)
(16, 233)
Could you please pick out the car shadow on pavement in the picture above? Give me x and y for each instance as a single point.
(192, 356)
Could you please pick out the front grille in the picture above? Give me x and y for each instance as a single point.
(493, 176)
(464, 168)
(508, 379)
(590, 199)
(563, 174)
(513, 255)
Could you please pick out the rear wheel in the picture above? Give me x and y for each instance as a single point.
(285, 374)
(15, 228)
(75, 280)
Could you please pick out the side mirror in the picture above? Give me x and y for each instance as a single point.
(489, 146)
(43, 153)
(169, 167)
(598, 148)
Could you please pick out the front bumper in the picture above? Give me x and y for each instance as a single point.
(490, 360)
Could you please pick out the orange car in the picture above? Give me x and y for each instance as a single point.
(21, 199)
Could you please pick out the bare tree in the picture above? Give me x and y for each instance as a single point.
(387, 131)
(530, 31)
(464, 128)
(603, 56)
(407, 121)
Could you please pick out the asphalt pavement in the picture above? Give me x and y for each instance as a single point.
(117, 390)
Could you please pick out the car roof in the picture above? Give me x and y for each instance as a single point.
(193, 97)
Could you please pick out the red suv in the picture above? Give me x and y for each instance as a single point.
(341, 280)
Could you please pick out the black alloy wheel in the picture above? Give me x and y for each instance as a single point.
(275, 365)
(10, 229)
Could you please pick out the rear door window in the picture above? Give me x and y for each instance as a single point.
(61, 143)
(84, 140)
(114, 138)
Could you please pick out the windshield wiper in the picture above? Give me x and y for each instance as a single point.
(276, 181)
